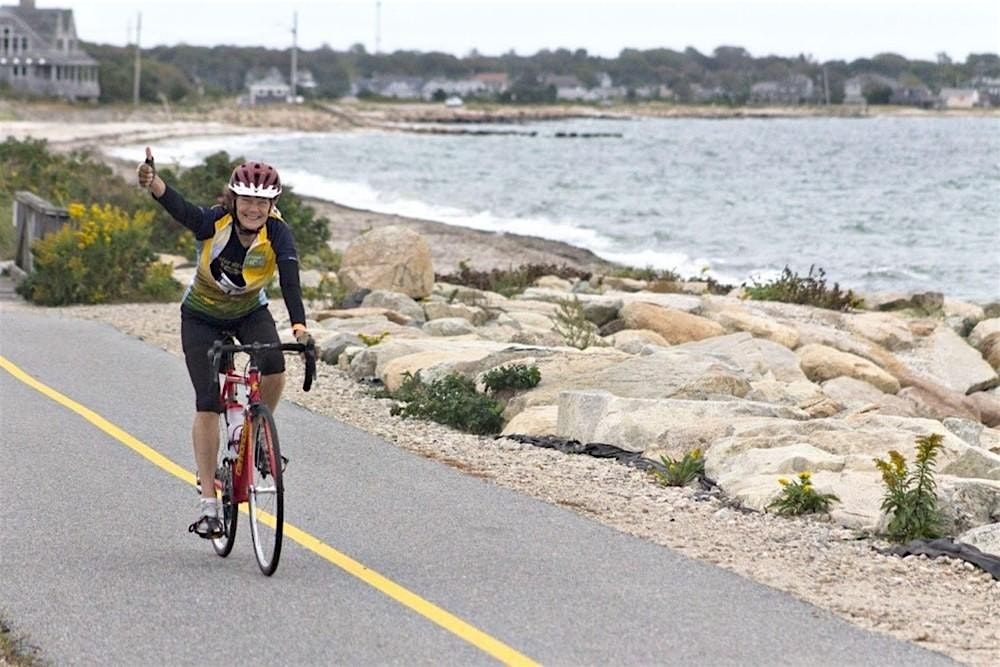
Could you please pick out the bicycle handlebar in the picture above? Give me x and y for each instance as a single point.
(308, 349)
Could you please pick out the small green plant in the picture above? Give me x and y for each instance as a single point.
(374, 339)
(574, 327)
(451, 400)
(648, 273)
(330, 292)
(508, 281)
(810, 290)
(910, 495)
(514, 377)
(681, 473)
(800, 497)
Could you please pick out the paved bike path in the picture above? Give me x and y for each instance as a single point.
(96, 564)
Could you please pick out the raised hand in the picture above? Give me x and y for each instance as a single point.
(146, 174)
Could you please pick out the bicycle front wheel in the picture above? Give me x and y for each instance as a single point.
(267, 493)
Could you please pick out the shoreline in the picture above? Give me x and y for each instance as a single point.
(451, 244)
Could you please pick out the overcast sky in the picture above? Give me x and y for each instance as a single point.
(824, 29)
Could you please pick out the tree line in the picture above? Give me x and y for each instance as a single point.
(184, 72)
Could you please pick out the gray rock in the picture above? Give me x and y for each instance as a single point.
(394, 301)
(332, 348)
(449, 326)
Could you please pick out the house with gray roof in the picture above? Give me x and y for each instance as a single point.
(41, 55)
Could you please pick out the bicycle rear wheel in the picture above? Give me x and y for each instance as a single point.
(228, 510)
(267, 493)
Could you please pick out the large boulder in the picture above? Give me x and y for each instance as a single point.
(982, 331)
(675, 326)
(821, 363)
(989, 347)
(390, 258)
(737, 319)
(947, 359)
(646, 425)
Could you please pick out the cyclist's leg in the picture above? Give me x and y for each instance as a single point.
(197, 337)
(259, 327)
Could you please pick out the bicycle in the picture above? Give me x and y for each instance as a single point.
(250, 462)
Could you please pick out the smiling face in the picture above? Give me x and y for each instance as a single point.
(252, 211)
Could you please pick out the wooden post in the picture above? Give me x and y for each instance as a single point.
(34, 218)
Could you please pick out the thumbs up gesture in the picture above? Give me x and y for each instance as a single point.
(146, 173)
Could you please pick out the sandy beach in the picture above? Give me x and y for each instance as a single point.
(944, 605)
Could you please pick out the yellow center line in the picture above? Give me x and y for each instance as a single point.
(428, 610)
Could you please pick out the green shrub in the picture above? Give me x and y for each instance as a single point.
(451, 400)
(910, 495)
(800, 497)
(324, 259)
(514, 377)
(810, 290)
(159, 284)
(330, 292)
(100, 256)
(509, 281)
(683, 472)
(60, 179)
(648, 273)
(8, 234)
(574, 327)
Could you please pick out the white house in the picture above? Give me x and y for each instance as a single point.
(40, 53)
(958, 98)
(268, 89)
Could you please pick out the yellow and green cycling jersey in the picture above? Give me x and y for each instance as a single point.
(230, 279)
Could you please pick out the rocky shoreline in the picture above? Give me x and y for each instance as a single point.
(765, 389)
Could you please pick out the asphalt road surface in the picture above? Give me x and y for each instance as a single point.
(389, 558)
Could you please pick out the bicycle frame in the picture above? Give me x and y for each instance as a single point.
(229, 398)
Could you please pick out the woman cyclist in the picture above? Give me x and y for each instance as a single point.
(241, 244)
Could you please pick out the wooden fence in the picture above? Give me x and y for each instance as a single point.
(34, 218)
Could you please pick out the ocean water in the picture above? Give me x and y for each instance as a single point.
(881, 204)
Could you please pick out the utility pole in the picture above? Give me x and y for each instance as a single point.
(295, 57)
(378, 26)
(826, 87)
(138, 67)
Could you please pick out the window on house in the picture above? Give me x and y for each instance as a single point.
(24, 43)
(5, 44)
(59, 44)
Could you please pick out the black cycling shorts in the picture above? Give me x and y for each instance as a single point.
(198, 335)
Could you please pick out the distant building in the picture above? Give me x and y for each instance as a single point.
(40, 54)
(857, 87)
(958, 98)
(989, 90)
(913, 95)
(796, 89)
(268, 89)
(460, 88)
(494, 82)
(399, 87)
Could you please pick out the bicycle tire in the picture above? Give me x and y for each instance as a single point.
(267, 492)
(229, 511)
